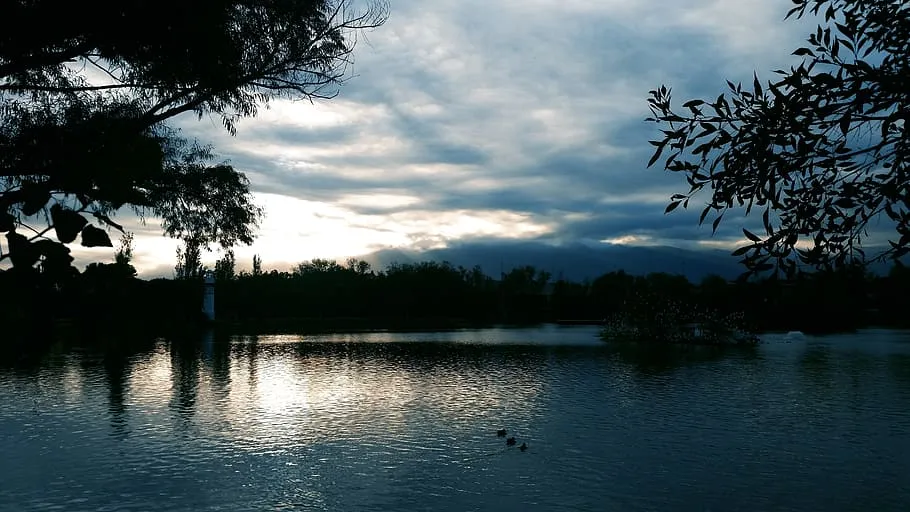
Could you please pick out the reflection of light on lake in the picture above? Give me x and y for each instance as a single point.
(150, 381)
(72, 381)
(623, 379)
(281, 396)
(284, 393)
(279, 392)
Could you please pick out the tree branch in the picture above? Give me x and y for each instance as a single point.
(44, 60)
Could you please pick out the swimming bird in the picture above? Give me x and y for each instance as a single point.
(501, 432)
(510, 441)
(523, 447)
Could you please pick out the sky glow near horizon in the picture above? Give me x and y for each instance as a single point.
(496, 119)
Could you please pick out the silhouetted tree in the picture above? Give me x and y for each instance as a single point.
(85, 90)
(715, 292)
(822, 151)
(121, 269)
(433, 295)
(318, 265)
(893, 295)
(124, 255)
(189, 260)
(111, 284)
(224, 267)
(358, 266)
(612, 291)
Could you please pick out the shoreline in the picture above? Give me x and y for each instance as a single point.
(25, 327)
(352, 325)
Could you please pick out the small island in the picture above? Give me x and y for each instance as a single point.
(653, 320)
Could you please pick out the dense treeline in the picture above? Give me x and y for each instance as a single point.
(438, 295)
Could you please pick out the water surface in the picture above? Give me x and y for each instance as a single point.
(385, 421)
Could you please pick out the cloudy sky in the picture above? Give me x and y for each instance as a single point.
(493, 119)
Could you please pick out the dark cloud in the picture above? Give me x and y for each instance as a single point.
(301, 135)
(612, 222)
(570, 261)
(533, 107)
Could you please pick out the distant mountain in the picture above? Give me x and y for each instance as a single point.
(577, 262)
(574, 262)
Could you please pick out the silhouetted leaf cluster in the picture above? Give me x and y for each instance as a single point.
(822, 151)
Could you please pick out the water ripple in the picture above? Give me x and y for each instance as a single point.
(391, 422)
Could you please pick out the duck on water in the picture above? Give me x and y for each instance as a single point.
(511, 441)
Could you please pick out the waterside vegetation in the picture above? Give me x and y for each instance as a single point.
(322, 295)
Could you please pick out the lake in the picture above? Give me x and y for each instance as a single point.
(385, 421)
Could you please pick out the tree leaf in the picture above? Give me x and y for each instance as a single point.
(716, 223)
(657, 153)
(107, 220)
(95, 237)
(67, 223)
(22, 253)
(845, 202)
(751, 236)
(845, 123)
(704, 213)
(672, 206)
(35, 199)
(7, 222)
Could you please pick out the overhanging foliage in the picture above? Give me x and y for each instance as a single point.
(822, 151)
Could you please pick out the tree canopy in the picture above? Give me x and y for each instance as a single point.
(432, 295)
(822, 151)
(86, 89)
